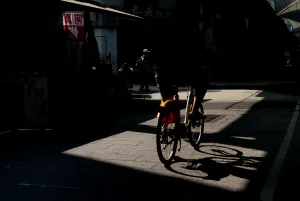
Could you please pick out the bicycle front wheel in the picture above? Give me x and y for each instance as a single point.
(196, 129)
(167, 135)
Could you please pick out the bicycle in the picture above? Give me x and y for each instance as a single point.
(169, 126)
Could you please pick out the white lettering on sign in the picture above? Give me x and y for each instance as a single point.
(150, 12)
(168, 14)
(159, 14)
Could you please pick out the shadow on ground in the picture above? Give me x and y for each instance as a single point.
(34, 168)
(217, 167)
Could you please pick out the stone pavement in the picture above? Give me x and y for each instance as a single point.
(247, 84)
(237, 151)
(283, 87)
(229, 157)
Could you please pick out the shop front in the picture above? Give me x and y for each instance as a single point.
(46, 90)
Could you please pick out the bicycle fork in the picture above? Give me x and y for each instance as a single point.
(178, 116)
(179, 144)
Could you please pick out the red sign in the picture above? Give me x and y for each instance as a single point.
(78, 19)
(74, 21)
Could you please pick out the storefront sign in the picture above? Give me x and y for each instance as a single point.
(150, 12)
(74, 22)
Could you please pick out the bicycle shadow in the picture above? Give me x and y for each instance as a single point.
(217, 165)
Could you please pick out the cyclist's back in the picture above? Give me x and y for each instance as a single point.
(183, 57)
(181, 62)
(181, 68)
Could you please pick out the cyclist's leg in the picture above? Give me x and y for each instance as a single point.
(192, 88)
(199, 93)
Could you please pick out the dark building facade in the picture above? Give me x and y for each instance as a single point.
(133, 37)
(247, 36)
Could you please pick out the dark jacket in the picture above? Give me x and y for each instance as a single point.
(182, 68)
(144, 64)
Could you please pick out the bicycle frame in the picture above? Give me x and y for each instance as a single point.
(170, 114)
(163, 104)
(189, 103)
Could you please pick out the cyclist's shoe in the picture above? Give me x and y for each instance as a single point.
(197, 115)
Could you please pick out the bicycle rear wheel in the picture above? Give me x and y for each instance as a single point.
(167, 135)
(195, 129)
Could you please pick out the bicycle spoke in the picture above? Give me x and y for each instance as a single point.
(167, 138)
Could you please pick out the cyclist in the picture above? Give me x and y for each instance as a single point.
(173, 67)
(196, 75)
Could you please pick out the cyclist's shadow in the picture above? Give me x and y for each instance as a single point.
(215, 167)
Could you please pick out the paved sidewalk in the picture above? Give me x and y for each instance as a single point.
(229, 157)
(253, 83)
(239, 146)
(284, 87)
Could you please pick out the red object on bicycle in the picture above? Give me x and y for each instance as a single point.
(169, 119)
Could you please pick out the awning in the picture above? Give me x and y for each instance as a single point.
(290, 11)
(295, 25)
(282, 4)
(83, 6)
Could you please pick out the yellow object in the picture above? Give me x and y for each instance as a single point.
(163, 104)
